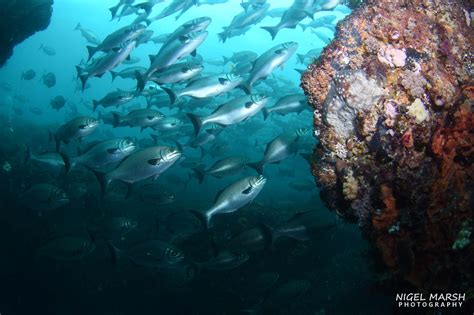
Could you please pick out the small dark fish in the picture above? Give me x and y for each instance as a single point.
(76, 128)
(49, 79)
(28, 75)
(252, 240)
(67, 248)
(156, 194)
(118, 226)
(36, 110)
(225, 260)
(50, 51)
(58, 102)
(151, 254)
(44, 197)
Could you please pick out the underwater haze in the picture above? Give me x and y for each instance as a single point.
(173, 184)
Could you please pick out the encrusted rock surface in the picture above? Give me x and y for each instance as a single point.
(392, 98)
(19, 20)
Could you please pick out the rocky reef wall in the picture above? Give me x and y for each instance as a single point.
(19, 20)
(392, 98)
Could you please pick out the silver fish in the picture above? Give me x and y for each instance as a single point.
(279, 149)
(151, 254)
(44, 197)
(128, 73)
(115, 98)
(138, 118)
(89, 35)
(54, 162)
(241, 56)
(205, 87)
(195, 25)
(105, 153)
(232, 198)
(118, 38)
(269, 61)
(224, 167)
(171, 53)
(106, 63)
(231, 112)
(76, 128)
(252, 16)
(173, 7)
(293, 103)
(177, 73)
(168, 124)
(146, 163)
(297, 12)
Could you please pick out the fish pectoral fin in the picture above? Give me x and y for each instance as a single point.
(223, 81)
(112, 151)
(194, 53)
(279, 51)
(247, 191)
(185, 69)
(248, 104)
(154, 161)
(156, 177)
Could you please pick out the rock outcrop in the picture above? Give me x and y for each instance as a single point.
(19, 20)
(392, 98)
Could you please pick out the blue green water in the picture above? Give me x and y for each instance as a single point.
(329, 273)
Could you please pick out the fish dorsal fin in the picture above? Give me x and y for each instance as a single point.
(121, 162)
(152, 58)
(219, 193)
(247, 191)
(298, 216)
(217, 108)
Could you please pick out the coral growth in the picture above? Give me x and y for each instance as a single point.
(392, 97)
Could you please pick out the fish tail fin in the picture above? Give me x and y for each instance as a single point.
(113, 10)
(273, 30)
(257, 166)
(172, 95)
(226, 60)
(197, 122)
(200, 174)
(300, 58)
(140, 80)
(27, 155)
(203, 217)
(245, 5)
(117, 119)
(114, 74)
(102, 179)
(68, 163)
(222, 36)
(146, 7)
(268, 234)
(78, 26)
(58, 143)
(96, 104)
(91, 50)
(116, 254)
(79, 71)
(300, 71)
(247, 87)
(83, 78)
(265, 113)
(155, 138)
